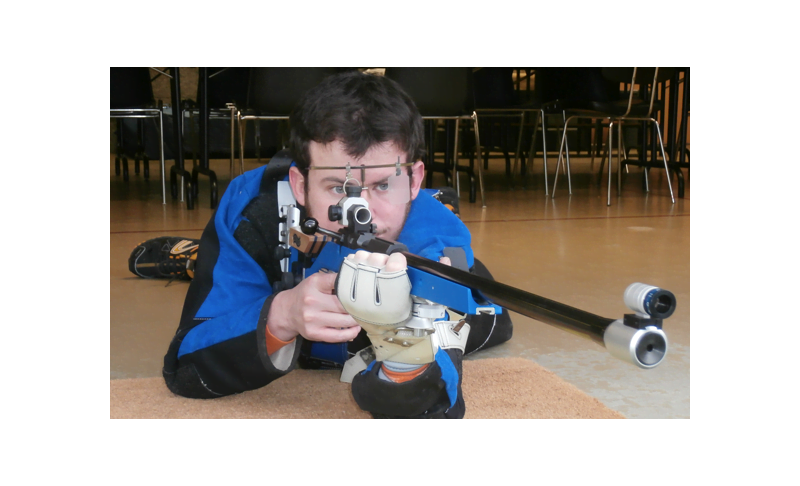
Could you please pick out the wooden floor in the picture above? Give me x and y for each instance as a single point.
(573, 249)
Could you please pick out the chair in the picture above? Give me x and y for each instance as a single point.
(272, 94)
(617, 112)
(559, 89)
(132, 97)
(444, 94)
(497, 98)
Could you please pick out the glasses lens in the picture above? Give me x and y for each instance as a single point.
(399, 189)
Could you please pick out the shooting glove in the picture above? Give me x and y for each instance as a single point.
(377, 300)
(381, 304)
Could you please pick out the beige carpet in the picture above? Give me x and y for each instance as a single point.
(493, 389)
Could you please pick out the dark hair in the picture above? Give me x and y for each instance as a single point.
(360, 110)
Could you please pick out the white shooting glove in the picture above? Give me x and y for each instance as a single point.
(381, 304)
(374, 298)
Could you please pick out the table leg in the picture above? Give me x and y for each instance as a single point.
(203, 168)
(177, 170)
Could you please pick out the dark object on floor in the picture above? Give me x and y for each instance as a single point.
(170, 257)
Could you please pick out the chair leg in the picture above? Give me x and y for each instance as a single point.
(145, 159)
(139, 147)
(487, 147)
(472, 188)
(523, 156)
(241, 144)
(610, 152)
(240, 126)
(666, 166)
(431, 154)
(596, 141)
(122, 156)
(117, 159)
(146, 166)
(519, 143)
(454, 176)
(528, 162)
(193, 135)
(647, 178)
(480, 163)
(234, 118)
(620, 159)
(558, 166)
(606, 155)
(624, 149)
(233, 141)
(566, 152)
(448, 153)
(540, 116)
(141, 153)
(161, 154)
(257, 139)
(560, 158)
(544, 153)
(503, 126)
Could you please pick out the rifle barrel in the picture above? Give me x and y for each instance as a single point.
(520, 301)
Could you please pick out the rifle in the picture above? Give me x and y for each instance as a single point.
(637, 338)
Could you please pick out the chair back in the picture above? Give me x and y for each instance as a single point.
(437, 91)
(131, 88)
(644, 75)
(275, 91)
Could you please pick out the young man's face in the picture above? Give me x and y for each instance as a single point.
(325, 186)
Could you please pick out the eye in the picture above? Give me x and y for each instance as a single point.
(337, 190)
(382, 187)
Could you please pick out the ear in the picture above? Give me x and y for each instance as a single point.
(298, 184)
(417, 176)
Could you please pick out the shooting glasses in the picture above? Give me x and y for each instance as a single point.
(395, 189)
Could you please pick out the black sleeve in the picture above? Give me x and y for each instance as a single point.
(218, 361)
(228, 367)
(487, 330)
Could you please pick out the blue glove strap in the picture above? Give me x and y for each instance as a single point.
(449, 374)
(335, 352)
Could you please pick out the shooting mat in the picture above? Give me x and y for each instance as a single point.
(497, 388)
